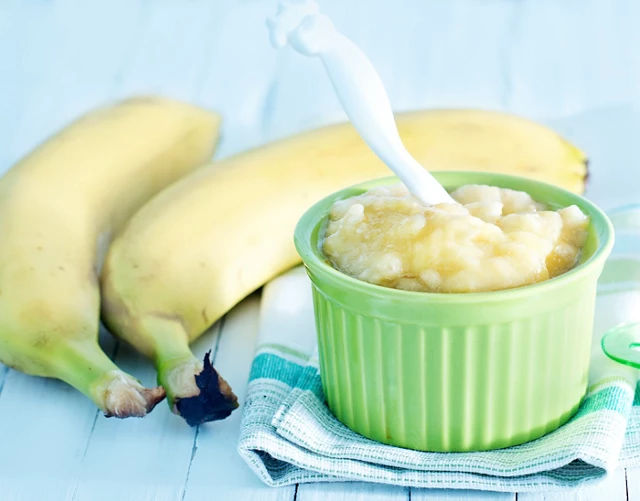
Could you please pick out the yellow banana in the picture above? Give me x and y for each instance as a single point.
(57, 207)
(204, 243)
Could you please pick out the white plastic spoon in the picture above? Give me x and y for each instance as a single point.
(359, 89)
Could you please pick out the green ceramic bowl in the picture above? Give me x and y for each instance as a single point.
(455, 372)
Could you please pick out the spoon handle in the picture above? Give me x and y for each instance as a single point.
(365, 101)
(359, 89)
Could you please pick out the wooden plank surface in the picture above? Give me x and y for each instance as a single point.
(633, 483)
(459, 495)
(573, 64)
(351, 491)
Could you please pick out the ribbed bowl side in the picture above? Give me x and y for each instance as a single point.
(456, 388)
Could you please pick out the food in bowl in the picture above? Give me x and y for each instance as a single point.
(497, 238)
(455, 371)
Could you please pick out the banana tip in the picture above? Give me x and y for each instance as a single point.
(215, 401)
(125, 397)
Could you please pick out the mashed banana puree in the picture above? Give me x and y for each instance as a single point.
(497, 238)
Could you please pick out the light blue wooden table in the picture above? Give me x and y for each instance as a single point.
(572, 64)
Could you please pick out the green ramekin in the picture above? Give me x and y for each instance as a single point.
(455, 372)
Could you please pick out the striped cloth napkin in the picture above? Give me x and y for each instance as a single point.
(288, 434)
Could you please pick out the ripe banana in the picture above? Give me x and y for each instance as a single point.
(204, 243)
(57, 206)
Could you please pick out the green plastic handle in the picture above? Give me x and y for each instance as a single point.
(622, 344)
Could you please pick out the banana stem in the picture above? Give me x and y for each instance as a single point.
(86, 367)
(175, 364)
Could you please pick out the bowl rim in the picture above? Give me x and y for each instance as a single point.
(308, 226)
